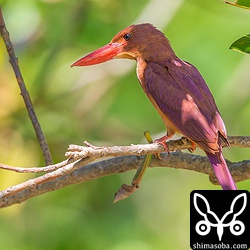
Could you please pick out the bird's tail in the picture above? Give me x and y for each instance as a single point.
(221, 170)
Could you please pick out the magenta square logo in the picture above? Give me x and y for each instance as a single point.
(219, 219)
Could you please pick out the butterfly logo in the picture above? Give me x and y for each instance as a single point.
(210, 219)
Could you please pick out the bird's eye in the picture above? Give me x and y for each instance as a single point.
(127, 36)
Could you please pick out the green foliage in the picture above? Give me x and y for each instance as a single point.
(105, 105)
(242, 44)
(245, 4)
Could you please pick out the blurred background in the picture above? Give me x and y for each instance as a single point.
(105, 105)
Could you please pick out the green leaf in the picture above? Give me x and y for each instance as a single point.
(240, 3)
(242, 44)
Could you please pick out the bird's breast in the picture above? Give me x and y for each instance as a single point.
(141, 66)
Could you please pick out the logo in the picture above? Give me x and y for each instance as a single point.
(219, 219)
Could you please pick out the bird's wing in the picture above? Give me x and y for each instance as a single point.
(183, 96)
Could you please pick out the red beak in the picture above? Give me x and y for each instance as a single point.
(103, 54)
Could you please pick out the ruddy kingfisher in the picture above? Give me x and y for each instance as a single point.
(176, 89)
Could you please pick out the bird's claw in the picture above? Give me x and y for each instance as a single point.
(163, 142)
(193, 145)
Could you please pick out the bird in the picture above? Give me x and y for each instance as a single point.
(176, 89)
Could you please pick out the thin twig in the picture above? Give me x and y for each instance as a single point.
(47, 169)
(24, 92)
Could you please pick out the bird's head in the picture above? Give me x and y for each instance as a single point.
(142, 40)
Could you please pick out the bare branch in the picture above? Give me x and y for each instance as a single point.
(83, 173)
(77, 152)
(24, 92)
(239, 141)
(75, 170)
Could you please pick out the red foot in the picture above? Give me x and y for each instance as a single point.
(193, 144)
(163, 141)
(192, 149)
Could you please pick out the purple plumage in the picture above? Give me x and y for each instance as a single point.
(181, 96)
(221, 170)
